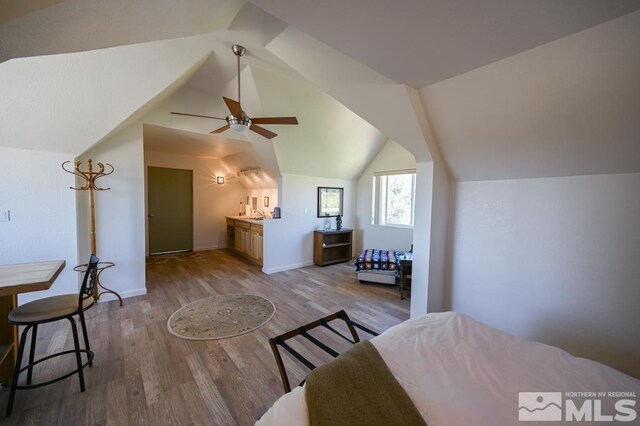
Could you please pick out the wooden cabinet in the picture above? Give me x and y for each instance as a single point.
(237, 239)
(260, 248)
(255, 235)
(246, 239)
(332, 246)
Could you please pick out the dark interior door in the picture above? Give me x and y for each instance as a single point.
(170, 208)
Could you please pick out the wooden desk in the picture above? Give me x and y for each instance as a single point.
(406, 266)
(15, 279)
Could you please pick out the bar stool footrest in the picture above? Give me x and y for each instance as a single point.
(57, 379)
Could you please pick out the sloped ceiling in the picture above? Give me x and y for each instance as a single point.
(497, 116)
(175, 141)
(234, 155)
(331, 141)
(374, 97)
(80, 25)
(250, 27)
(67, 103)
(260, 153)
(422, 42)
(500, 111)
(571, 107)
(12, 9)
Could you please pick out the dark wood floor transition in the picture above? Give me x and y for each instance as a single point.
(143, 375)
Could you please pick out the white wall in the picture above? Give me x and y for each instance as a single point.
(438, 224)
(553, 260)
(260, 194)
(391, 156)
(211, 202)
(399, 114)
(299, 195)
(120, 214)
(429, 229)
(43, 214)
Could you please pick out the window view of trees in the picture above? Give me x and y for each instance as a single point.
(393, 199)
(399, 200)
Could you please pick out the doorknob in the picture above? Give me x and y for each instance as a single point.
(151, 215)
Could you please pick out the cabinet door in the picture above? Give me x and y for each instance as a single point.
(259, 248)
(238, 239)
(254, 245)
(246, 241)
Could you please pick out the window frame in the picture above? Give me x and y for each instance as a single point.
(378, 202)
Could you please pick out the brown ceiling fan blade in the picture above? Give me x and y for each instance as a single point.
(275, 120)
(221, 129)
(197, 115)
(234, 107)
(262, 131)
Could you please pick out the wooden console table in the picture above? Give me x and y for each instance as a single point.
(15, 279)
(332, 246)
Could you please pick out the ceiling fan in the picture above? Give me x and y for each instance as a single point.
(238, 119)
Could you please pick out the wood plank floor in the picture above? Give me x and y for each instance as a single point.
(142, 375)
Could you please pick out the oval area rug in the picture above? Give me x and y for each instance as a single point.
(219, 317)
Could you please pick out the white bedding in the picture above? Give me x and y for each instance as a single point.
(461, 372)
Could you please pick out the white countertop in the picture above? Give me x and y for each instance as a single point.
(247, 219)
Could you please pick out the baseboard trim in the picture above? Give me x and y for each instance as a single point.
(286, 268)
(207, 248)
(108, 297)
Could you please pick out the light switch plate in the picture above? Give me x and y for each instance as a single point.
(5, 215)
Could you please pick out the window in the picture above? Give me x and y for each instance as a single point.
(393, 198)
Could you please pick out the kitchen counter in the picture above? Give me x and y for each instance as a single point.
(247, 219)
(245, 235)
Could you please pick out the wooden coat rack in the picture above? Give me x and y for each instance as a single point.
(90, 177)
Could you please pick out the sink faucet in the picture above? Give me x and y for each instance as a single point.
(259, 212)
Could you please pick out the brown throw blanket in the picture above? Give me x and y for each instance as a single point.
(357, 388)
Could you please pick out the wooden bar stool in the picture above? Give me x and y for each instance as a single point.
(51, 309)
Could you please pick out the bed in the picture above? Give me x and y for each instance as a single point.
(457, 371)
(378, 266)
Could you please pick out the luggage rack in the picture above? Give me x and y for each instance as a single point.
(303, 331)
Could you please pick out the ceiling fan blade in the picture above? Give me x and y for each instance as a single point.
(234, 107)
(275, 120)
(262, 131)
(221, 129)
(196, 115)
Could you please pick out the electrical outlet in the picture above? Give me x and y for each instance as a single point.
(5, 215)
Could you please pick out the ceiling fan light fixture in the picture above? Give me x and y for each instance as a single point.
(239, 125)
(238, 120)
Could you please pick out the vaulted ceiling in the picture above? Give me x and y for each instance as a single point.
(525, 89)
(422, 42)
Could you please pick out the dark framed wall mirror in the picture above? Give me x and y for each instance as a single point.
(330, 201)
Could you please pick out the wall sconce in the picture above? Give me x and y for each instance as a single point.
(220, 180)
